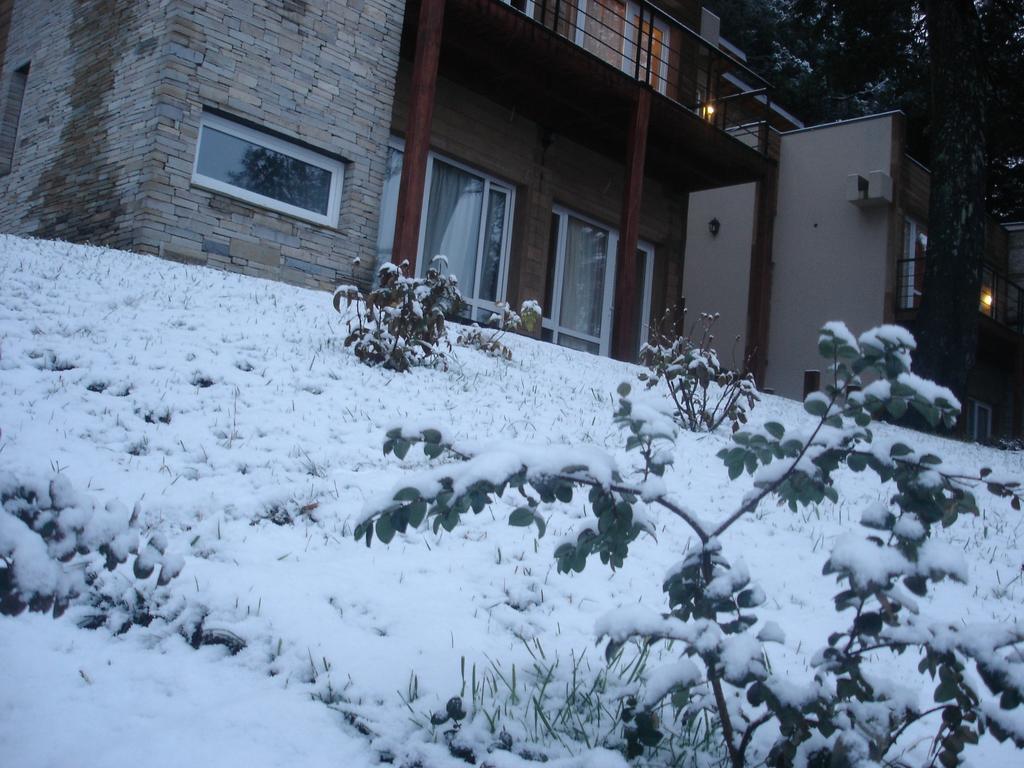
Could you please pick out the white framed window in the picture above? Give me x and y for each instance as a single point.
(523, 6)
(468, 222)
(979, 421)
(654, 40)
(12, 117)
(250, 165)
(911, 272)
(578, 304)
(467, 219)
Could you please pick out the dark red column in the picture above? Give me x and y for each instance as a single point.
(759, 291)
(417, 135)
(627, 303)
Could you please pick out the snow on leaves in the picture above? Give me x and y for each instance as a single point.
(401, 324)
(844, 712)
(55, 545)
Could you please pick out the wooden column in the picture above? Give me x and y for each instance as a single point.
(627, 304)
(417, 135)
(759, 291)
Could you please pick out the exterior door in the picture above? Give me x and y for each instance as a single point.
(581, 284)
(653, 34)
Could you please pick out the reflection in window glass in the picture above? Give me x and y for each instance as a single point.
(494, 238)
(263, 171)
(565, 340)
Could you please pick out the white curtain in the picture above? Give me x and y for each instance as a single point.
(453, 222)
(586, 255)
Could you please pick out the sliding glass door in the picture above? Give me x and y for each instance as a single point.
(466, 229)
(581, 280)
(653, 34)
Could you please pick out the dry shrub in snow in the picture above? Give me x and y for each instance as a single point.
(705, 393)
(848, 711)
(488, 340)
(401, 323)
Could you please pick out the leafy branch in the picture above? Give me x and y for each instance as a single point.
(843, 711)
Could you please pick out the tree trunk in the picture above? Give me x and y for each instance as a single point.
(947, 323)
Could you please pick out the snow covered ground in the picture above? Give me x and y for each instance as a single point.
(227, 404)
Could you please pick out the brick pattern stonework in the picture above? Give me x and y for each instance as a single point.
(112, 111)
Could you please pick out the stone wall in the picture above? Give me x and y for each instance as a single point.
(78, 159)
(112, 112)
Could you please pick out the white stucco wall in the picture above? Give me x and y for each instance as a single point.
(716, 271)
(830, 256)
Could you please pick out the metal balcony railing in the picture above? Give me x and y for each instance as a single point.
(651, 46)
(1000, 299)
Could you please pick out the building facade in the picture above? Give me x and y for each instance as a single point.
(250, 136)
(611, 159)
(275, 138)
(849, 242)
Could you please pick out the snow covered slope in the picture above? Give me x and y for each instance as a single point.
(227, 405)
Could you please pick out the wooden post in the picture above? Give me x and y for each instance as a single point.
(759, 291)
(417, 134)
(627, 304)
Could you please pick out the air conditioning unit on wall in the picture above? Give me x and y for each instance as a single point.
(876, 189)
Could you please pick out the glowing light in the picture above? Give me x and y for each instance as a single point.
(709, 111)
(986, 300)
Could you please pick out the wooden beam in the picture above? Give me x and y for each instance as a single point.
(417, 137)
(627, 304)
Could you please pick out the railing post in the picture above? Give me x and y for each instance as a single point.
(626, 304)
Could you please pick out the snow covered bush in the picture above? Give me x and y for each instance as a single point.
(488, 340)
(705, 393)
(848, 712)
(401, 323)
(57, 547)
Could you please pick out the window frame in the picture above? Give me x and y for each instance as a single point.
(909, 278)
(474, 303)
(980, 420)
(13, 104)
(282, 146)
(553, 323)
(657, 77)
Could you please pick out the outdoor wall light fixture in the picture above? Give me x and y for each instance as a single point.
(708, 111)
(713, 226)
(986, 301)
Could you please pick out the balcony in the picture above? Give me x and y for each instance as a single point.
(575, 68)
(1001, 299)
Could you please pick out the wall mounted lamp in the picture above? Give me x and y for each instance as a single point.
(714, 226)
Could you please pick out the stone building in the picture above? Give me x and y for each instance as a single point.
(108, 105)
